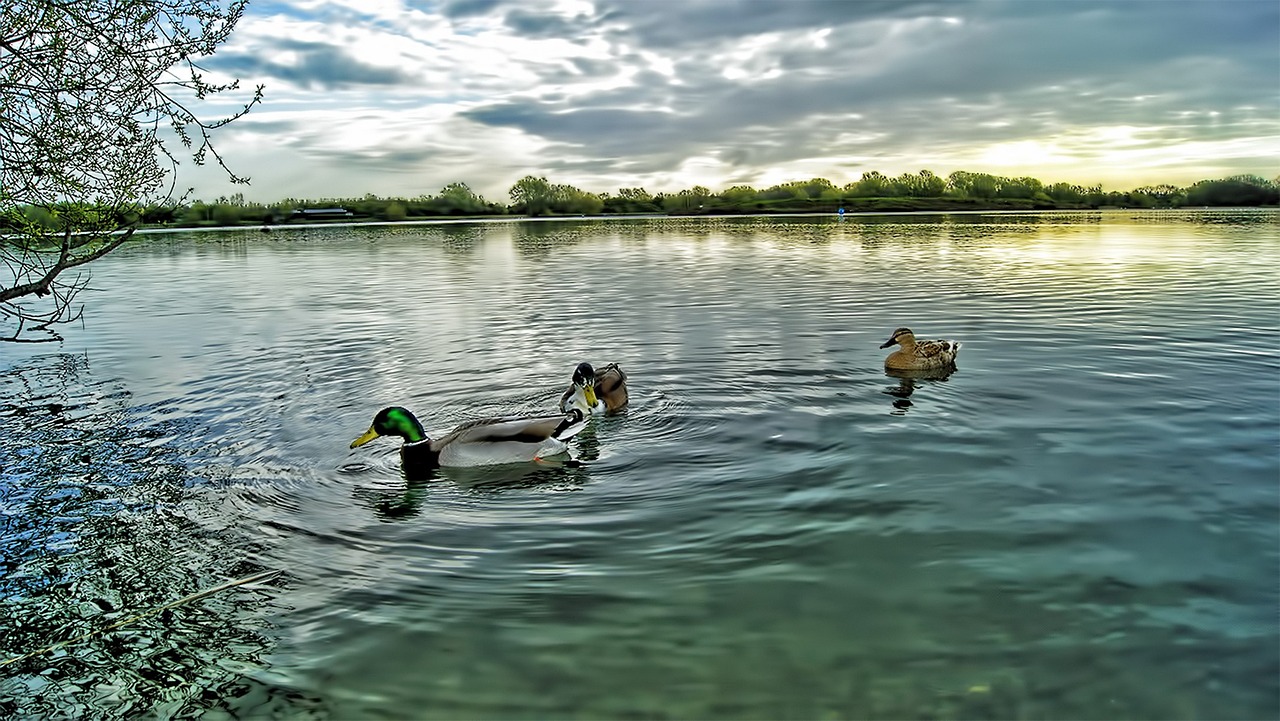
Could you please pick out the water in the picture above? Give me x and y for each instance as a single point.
(1081, 522)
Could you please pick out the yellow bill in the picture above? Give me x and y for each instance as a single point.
(368, 436)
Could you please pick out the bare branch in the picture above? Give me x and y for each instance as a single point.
(85, 91)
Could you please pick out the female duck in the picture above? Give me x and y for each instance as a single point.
(919, 354)
(488, 441)
(596, 392)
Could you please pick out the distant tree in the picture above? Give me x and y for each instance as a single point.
(686, 200)
(739, 194)
(39, 217)
(963, 184)
(282, 211)
(1066, 193)
(919, 185)
(629, 200)
(226, 214)
(395, 210)
(159, 214)
(198, 212)
(784, 191)
(1234, 191)
(931, 186)
(568, 199)
(816, 187)
(873, 184)
(1163, 195)
(85, 89)
(533, 195)
(635, 195)
(1019, 188)
(459, 199)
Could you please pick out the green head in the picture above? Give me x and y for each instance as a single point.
(393, 421)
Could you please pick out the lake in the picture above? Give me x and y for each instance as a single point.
(1081, 522)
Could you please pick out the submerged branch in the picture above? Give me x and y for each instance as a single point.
(264, 576)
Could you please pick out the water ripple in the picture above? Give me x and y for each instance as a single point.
(1087, 503)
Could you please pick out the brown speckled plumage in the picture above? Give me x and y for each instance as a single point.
(919, 354)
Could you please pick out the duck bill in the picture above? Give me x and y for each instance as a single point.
(887, 343)
(589, 394)
(368, 436)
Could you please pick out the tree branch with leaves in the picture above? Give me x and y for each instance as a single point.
(88, 93)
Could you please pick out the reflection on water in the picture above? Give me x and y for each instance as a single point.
(98, 527)
(1079, 522)
(908, 380)
(392, 501)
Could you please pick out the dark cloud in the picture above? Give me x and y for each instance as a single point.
(968, 48)
(455, 9)
(320, 66)
(397, 159)
(594, 68)
(567, 125)
(697, 22)
(999, 72)
(544, 24)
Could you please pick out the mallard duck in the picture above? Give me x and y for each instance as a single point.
(919, 354)
(489, 441)
(596, 392)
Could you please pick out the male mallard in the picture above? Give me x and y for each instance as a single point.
(595, 392)
(919, 354)
(488, 441)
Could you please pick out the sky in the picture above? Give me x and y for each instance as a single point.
(399, 98)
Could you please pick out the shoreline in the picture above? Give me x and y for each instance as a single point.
(267, 229)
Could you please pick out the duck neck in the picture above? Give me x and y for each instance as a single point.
(414, 432)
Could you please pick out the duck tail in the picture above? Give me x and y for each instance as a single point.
(621, 373)
(573, 422)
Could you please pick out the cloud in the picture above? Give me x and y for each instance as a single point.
(726, 91)
(698, 22)
(542, 24)
(456, 9)
(313, 65)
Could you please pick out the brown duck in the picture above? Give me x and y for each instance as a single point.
(919, 354)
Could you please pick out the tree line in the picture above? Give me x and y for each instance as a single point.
(909, 191)
(536, 196)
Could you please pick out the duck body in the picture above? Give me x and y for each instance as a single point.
(484, 442)
(919, 354)
(596, 392)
